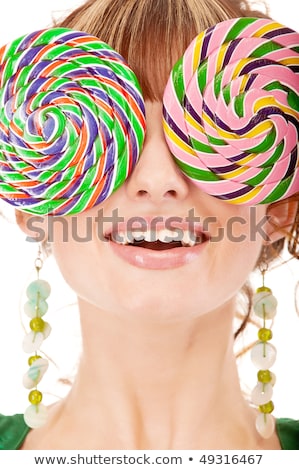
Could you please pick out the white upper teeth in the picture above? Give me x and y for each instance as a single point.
(165, 236)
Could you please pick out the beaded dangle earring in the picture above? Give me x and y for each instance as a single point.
(263, 356)
(36, 306)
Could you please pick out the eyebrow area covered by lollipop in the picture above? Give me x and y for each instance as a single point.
(231, 111)
(72, 121)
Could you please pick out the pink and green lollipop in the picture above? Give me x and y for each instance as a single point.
(231, 111)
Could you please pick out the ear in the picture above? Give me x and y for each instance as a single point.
(281, 216)
(34, 226)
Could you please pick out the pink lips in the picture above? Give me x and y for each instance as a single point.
(163, 259)
(150, 259)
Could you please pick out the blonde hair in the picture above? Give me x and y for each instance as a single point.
(152, 34)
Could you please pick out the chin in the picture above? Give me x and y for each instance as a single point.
(161, 308)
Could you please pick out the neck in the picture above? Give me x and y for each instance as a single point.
(157, 385)
(150, 385)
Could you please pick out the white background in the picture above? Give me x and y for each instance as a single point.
(17, 258)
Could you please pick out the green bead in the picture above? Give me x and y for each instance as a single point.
(263, 289)
(35, 397)
(32, 359)
(37, 324)
(264, 376)
(267, 408)
(265, 334)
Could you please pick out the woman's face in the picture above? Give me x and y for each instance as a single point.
(215, 244)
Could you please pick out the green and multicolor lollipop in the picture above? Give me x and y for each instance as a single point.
(72, 122)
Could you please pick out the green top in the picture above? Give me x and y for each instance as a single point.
(13, 431)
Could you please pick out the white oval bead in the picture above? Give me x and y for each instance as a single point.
(264, 303)
(30, 308)
(27, 382)
(265, 425)
(273, 379)
(32, 342)
(261, 394)
(36, 416)
(47, 330)
(38, 287)
(35, 373)
(263, 355)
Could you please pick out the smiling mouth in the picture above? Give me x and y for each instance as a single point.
(158, 245)
(158, 241)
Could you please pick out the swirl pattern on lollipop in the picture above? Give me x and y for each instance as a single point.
(231, 111)
(72, 121)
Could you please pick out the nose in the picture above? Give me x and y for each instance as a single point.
(156, 177)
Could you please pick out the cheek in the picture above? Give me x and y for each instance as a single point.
(92, 275)
(72, 242)
(233, 252)
(71, 261)
(243, 224)
(237, 255)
